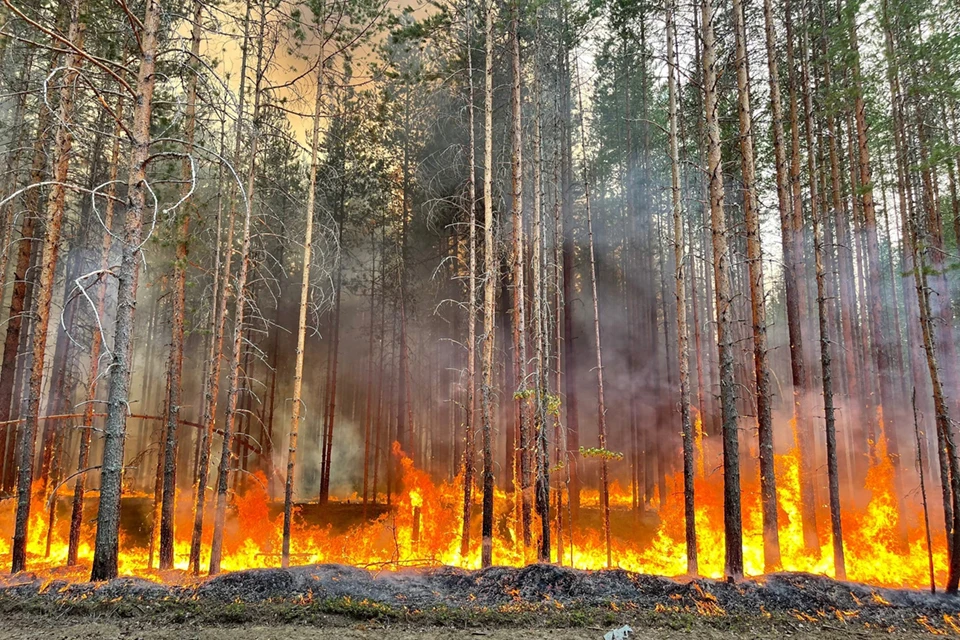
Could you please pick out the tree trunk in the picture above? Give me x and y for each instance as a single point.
(404, 411)
(86, 433)
(570, 355)
(683, 349)
(878, 329)
(941, 408)
(106, 550)
(469, 448)
(518, 318)
(302, 320)
(11, 181)
(230, 416)
(601, 404)
(541, 461)
(53, 223)
(833, 471)
(175, 365)
(26, 256)
(733, 536)
(331, 411)
(219, 317)
(489, 288)
(796, 289)
(368, 410)
(845, 275)
(768, 478)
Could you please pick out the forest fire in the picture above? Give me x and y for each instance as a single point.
(474, 290)
(422, 528)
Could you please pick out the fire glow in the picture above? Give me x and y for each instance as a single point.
(423, 524)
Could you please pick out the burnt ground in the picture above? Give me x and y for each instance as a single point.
(539, 601)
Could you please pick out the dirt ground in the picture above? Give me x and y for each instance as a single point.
(22, 627)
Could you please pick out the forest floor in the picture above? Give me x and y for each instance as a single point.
(530, 603)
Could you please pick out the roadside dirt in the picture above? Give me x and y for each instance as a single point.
(22, 627)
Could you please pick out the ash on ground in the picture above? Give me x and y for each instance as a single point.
(804, 598)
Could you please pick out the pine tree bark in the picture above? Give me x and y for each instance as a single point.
(796, 289)
(230, 416)
(86, 433)
(471, 401)
(489, 301)
(826, 366)
(733, 535)
(53, 223)
(219, 316)
(331, 410)
(404, 409)
(302, 322)
(518, 322)
(26, 256)
(570, 354)
(175, 365)
(941, 408)
(10, 183)
(768, 478)
(368, 409)
(683, 349)
(842, 240)
(106, 550)
(541, 460)
(879, 332)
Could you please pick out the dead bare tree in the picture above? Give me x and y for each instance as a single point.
(302, 318)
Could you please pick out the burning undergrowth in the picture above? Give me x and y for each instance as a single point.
(422, 526)
(449, 594)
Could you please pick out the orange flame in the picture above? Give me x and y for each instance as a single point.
(655, 544)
